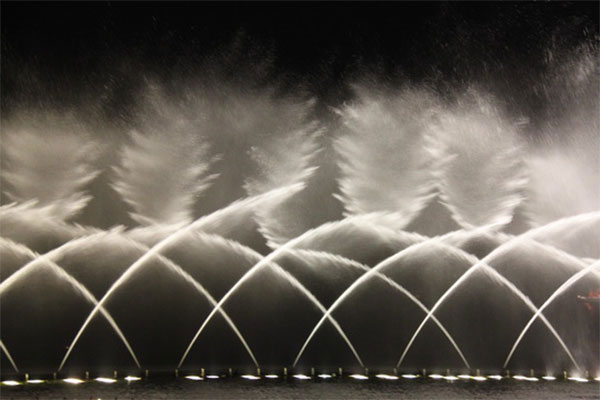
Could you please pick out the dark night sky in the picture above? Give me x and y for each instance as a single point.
(59, 52)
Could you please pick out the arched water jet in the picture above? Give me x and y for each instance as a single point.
(569, 282)
(10, 359)
(495, 274)
(394, 285)
(376, 222)
(200, 223)
(63, 275)
(57, 252)
(265, 261)
(337, 258)
(291, 279)
(188, 278)
(375, 270)
(497, 252)
(22, 272)
(36, 226)
(367, 275)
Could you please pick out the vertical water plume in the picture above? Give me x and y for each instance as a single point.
(49, 161)
(387, 154)
(162, 173)
(564, 164)
(278, 166)
(483, 176)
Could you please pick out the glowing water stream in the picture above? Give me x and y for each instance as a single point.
(502, 249)
(568, 283)
(203, 222)
(60, 273)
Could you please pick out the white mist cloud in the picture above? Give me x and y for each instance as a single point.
(565, 165)
(161, 175)
(482, 179)
(283, 160)
(48, 161)
(386, 155)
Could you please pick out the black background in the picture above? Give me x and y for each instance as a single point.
(58, 52)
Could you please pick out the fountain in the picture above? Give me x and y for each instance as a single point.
(338, 272)
(235, 231)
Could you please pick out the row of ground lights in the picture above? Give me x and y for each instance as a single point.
(450, 378)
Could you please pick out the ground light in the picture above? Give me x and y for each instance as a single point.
(577, 379)
(387, 377)
(106, 380)
(301, 376)
(73, 381)
(451, 378)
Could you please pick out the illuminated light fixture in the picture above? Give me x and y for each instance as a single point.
(11, 383)
(519, 377)
(387, 377)
(495, 377)
(212, 376)
(271, 376)
(549, 378)
(106, 380)
(531, 379)
(436, 376)
(74, 381)
(132, 378)
(194, 378)
(359, 377)
(410, 376)
(479, 378)
(324, 376)
(301, 376)
(577, 379)
(35, 381)
(451, 378)
(463, 376)
(597, 378)
(251, 377)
